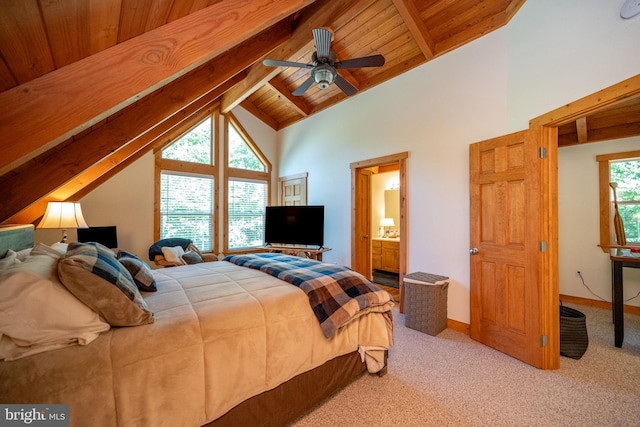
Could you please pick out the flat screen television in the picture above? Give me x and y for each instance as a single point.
(104, 235)
(294, 225)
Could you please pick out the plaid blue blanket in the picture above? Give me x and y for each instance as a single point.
(336, 294)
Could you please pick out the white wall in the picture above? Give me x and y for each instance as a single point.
(548, 55)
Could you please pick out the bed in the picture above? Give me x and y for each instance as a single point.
(219, 344)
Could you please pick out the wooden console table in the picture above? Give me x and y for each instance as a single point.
(617, 264)
(296, 251)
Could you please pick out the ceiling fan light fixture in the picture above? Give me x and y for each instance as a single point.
(324, 76)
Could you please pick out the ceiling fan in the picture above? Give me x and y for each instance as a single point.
(324, 65)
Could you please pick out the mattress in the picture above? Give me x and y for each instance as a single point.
(222, 334)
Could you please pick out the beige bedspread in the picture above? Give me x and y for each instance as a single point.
(222, 334)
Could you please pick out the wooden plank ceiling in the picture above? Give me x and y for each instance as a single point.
(88, 86)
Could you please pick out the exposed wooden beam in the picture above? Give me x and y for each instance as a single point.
(268, 120)
(43, 174)
(297, 102)
(581, 128)
(321, 14)
(626, 130)
(48, 110)
(42, 179)
(413, 21)
(89, 180)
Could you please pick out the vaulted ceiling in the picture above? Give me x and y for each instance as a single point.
(89, 86)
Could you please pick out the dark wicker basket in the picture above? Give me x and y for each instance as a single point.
(573, 333)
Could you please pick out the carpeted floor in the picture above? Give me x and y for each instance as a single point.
(451, 380)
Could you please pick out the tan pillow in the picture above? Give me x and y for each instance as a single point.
(173, 254)
(93, 274)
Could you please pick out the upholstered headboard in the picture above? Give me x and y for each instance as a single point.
(16, 237)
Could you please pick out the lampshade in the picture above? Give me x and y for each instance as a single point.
(63, 215)
(323, 76)
(387, 222)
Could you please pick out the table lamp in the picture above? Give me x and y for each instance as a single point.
(63, 215)
(386, 222)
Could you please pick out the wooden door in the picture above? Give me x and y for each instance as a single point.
(293, 190)
(505, 224)
(362, 226)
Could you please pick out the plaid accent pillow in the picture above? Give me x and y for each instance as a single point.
(140, 271)
(93, 274)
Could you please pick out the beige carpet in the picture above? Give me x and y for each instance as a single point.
(451, 380)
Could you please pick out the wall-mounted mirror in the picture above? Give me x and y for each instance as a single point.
(392, 206)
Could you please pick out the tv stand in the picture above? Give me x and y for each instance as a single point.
(301, 251)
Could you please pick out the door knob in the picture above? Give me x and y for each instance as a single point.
(473, 251)
(366, 236)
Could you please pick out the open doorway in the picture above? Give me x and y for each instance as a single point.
(385, 226)
(610, 113)
(365, 222)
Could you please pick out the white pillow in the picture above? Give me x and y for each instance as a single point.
(8, 260)
(37, 313)
(43, 266)
(23, 254)
(173, 254)
(60, 247)
(42, 249)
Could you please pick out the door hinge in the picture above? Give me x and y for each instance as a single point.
(543, 246)
(544, 340)
(542, 153)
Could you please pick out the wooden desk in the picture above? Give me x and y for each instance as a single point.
(293, 250)
(617, 264)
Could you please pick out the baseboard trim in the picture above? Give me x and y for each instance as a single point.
(629, 309)
(458, 326)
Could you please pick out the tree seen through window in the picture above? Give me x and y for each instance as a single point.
(626, 174)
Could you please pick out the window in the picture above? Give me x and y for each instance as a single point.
(624, 170)
(188, 184)
(248, 188)
(186, 208)
(194, 146)
(187, 192)
(247, 201)
(626, 174)
(241, 155)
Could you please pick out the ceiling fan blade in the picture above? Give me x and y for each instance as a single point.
(322, 37)
(345, 86)
(303, 87)
(365, 61)
(277, 63)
